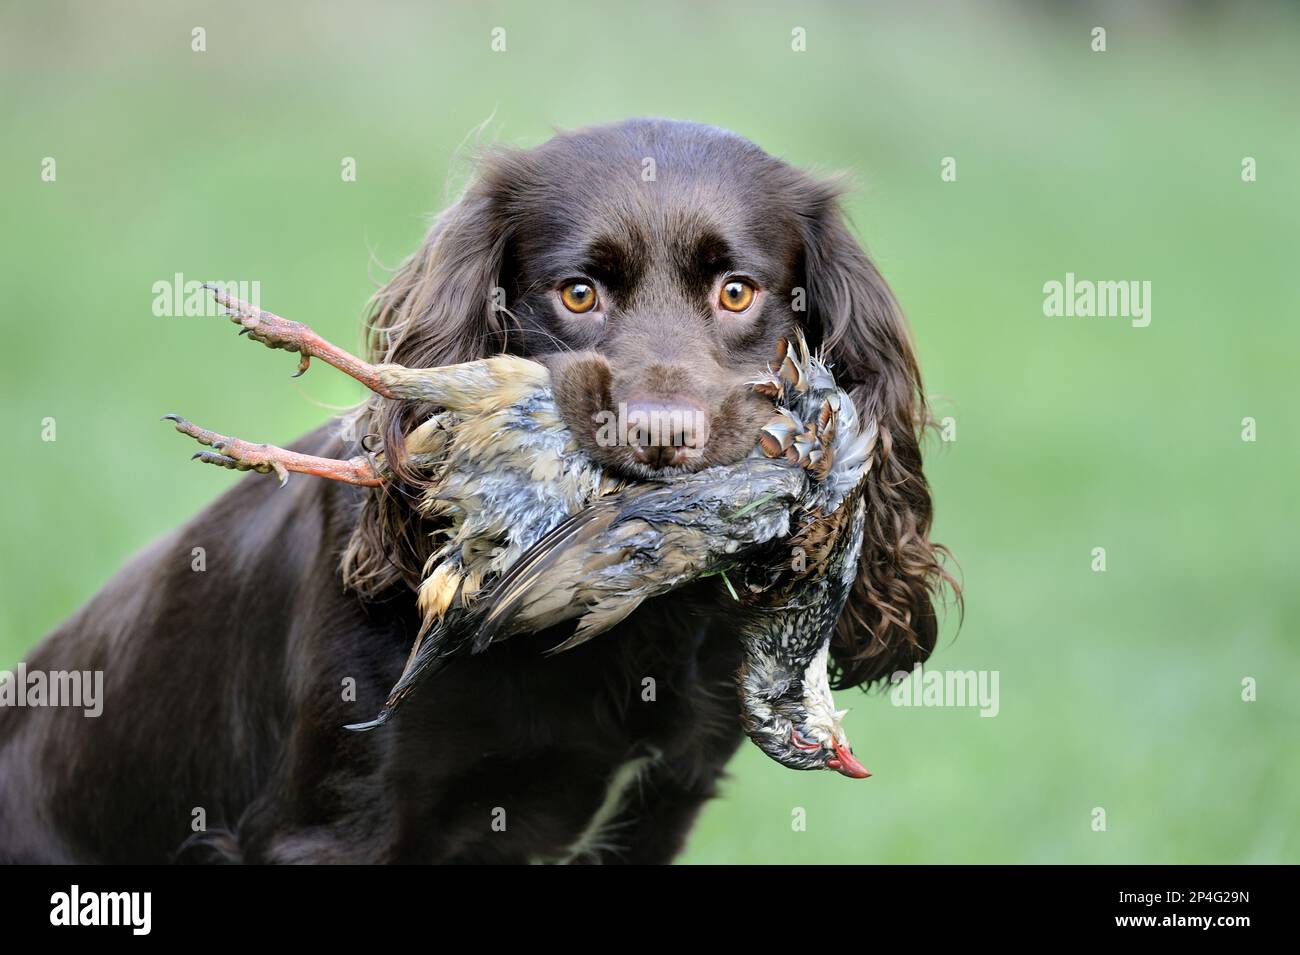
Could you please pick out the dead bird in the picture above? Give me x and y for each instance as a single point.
(538, 535)
(789, 520)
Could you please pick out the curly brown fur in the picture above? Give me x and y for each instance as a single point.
(890, 621)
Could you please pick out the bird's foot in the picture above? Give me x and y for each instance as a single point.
(266, 327)
(274, 331)
(228, 452)
(809, 445)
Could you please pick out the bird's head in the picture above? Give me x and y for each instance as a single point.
(788, 711)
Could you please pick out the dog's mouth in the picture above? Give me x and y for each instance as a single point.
(680, 439)
(651, 461)
(647, 434)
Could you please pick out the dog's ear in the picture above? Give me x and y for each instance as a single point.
(444, 305)
(889, 623)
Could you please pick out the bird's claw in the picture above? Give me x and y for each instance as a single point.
(268, 328)
(232, 453)
(232, 463)
(809, 445)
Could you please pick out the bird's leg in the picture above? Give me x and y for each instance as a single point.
(228, 452)
(276, 332)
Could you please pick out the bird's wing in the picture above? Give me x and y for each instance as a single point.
(541, 589)
(645, 540)
(538, 591)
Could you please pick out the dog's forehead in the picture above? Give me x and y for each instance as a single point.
(656, 197)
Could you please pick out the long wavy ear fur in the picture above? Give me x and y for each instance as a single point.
(441, 307)
(889, 623)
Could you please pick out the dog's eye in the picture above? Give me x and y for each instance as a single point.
(578, 297)
(736, 295)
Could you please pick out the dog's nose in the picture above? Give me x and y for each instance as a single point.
(663, 432)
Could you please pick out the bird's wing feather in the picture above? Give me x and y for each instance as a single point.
(430, 654)
(540, 590)
(497, 609)
(602, 562)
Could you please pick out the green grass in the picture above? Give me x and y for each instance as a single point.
(1119, 690)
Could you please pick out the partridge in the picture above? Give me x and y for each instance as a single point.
(537, 534)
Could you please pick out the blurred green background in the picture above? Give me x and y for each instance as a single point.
(1119, 690)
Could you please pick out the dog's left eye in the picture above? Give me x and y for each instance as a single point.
(736, 295)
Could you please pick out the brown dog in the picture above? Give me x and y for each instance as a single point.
(652, 265)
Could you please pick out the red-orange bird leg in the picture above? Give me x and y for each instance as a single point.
(228, 452)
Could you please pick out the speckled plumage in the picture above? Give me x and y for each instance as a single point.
(789, 522)
(503, 470)
(537, 535)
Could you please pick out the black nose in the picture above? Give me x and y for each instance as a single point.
(663, 431)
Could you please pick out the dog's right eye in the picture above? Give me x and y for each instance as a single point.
(736, 295)
(578, 296)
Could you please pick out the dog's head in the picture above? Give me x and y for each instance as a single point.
(653, 265)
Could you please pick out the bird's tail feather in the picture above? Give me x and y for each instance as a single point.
(430, 653)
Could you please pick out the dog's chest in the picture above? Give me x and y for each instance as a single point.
(600, 836)
(591, 744)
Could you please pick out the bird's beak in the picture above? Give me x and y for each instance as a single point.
(845, 762)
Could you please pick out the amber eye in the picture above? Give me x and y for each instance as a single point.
(578, 297)
(736, 295)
